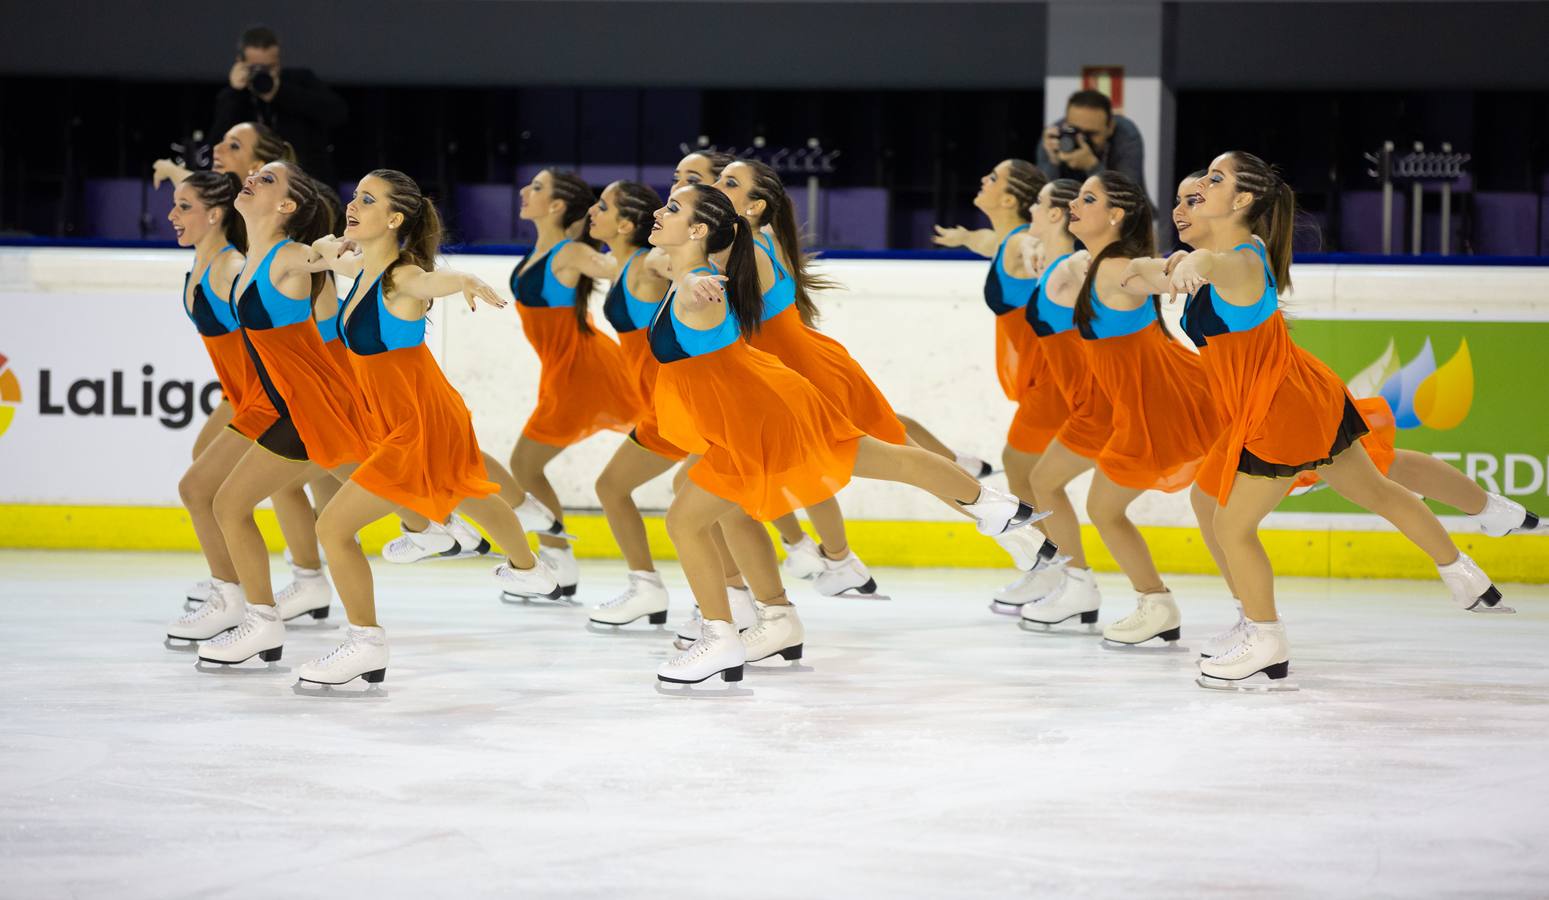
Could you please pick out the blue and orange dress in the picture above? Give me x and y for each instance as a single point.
(319, 417)
(824, 361)
(1024, 372)
(1089, 413)
(216, 322)
(427, 458)
(769, 441)
(584, 386)
(1285, 412)
(1164, 419)
(631, 319)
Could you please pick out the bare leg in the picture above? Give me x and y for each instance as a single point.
(1205, 513)
(257, 475)
(323, 488)
(729, 566)
(1432, 478)
(219, 418)
(510, 490)
(922, 437)
(298, 522)
(1056, 468)
(527, 462)
(631, 466)
(1019, 472)
(754, 552)
(1237, 530)
(912, 465)
(496, 516)
(828, 520)
(789, 528)
(352, 508)
(689, 518)
(1107, 504)
(198, 487)
(1354, 477)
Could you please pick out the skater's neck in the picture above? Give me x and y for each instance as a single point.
(550, 232)
(622, 250)
(687, 257)
(213, 242)
(377, 254)
(1004, 221)
(1058, 245)
(261, 240)
(1224, 237)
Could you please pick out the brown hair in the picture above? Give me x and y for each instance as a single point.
(313, 217)
(718, 160)
(1272, 214)
(419, 237)
(713, 209)
(1062, 193)
(270, 146)
(1137, 237)
(637, 204)
(1023, 182)
(218, 190)
(578, 197)
(780, 215)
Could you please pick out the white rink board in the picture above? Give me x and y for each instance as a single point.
(918, 326)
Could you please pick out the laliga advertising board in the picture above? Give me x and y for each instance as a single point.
(101, 396)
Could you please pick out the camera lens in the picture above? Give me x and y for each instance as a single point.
(261, 81)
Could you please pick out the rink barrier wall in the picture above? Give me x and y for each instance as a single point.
(91, 454)
(905, 544)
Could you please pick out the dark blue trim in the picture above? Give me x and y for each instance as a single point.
(1343, 259)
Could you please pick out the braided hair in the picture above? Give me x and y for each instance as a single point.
(218, 190)
(1272, 214)
(1137, 237)
(780, 215)
(713, 210)
(578, 197)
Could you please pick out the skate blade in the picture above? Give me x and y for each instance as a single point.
(1005, 609)
(181, 645)
(1497, 608)
(209, 667)
(856, 593)
(700, 692)
(346, 691)
(1254, 684)
(1063, 629)
(624, 630)
(774, 665)
(1151, 646)
(541, 600)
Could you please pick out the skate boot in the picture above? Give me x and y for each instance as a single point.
(561, 561)
(718, 651)
(645, 596)
(1260, 661)
(221, 611)
(1471, 587)
(469, 541)
(1005, 518)
(1077, 597)
(435, 542)
(778, 631)
(1227, 639)
(975, 466)
(308, 594)
(1155, 616)
(844, 575)
(539, 519)
(803, 559)
(362, 655)
(536, 583)
(743, 615)
(199, 592)
(1029, 587)
(261, 634)
(1501, 517)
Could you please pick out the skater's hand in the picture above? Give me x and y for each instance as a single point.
(1177, 256)
(1187, 277)
(1033, 257)
(707, 288)
(166, 170)
(330, 248)
(476, 288)
(950, 237)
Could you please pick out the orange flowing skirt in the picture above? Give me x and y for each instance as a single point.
(584, 387)
(828, 365)
(427, 458)
(1164, 418)
(1026, 378)
(636, 349)
(1278, 402)
(252, 412)
(769, 441)
(323, 405)
(1089, 416)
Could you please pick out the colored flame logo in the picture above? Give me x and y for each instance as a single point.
(1419, 392)
(10, 394)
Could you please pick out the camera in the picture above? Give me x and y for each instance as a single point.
(259, 81)
(1069, 138)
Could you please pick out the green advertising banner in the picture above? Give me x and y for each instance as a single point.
(1470, 393)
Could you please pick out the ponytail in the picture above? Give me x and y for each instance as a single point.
(313, 217)
(780, 215)
(1023, 182)
(419, 237)
(578, 197)
(1272, 215)
(1137, 239)
(271, 147)
(745, 297)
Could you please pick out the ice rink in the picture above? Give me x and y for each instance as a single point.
(925, 748)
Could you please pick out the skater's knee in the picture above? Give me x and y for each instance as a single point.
(195, 492)
(612, 488)
(682, 526)
(1104, 515)
(229, 505)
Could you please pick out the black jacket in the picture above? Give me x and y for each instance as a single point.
(304, 111)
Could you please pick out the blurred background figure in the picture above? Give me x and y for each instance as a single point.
(293, 102)
(1090, 138)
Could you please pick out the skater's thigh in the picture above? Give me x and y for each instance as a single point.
(1058, 466)
(631, 466)
(680, 477)
(211, 467)
(1252, 499)
(350, 510)
(258, 474)
(695, 509)
(531, 456)
(1107, 496)
(219, 418)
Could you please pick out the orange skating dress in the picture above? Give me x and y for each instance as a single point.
(821, 359)
(585, 386)
(1285, 411)
(769, 440)
(427, 459)
(631, 319)
(319, 417)
(1020, 364)
(1089, 414)
(216, 321)
(1164, 419)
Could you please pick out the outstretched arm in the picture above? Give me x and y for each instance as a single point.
(1150, 274)
(1237, 274)
(578, 257)
(981, 241)
(337, 255)
(415, 283)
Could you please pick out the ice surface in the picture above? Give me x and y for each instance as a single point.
(932, 750)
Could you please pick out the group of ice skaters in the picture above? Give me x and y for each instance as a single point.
(717, 370)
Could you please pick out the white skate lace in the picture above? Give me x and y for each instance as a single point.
(698, 649)
(628, 595)
(290, 591)
(1241, 648)
(249, 622)
(340, 652)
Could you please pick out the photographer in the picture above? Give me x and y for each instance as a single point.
(293, 102)
(1090, 139)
